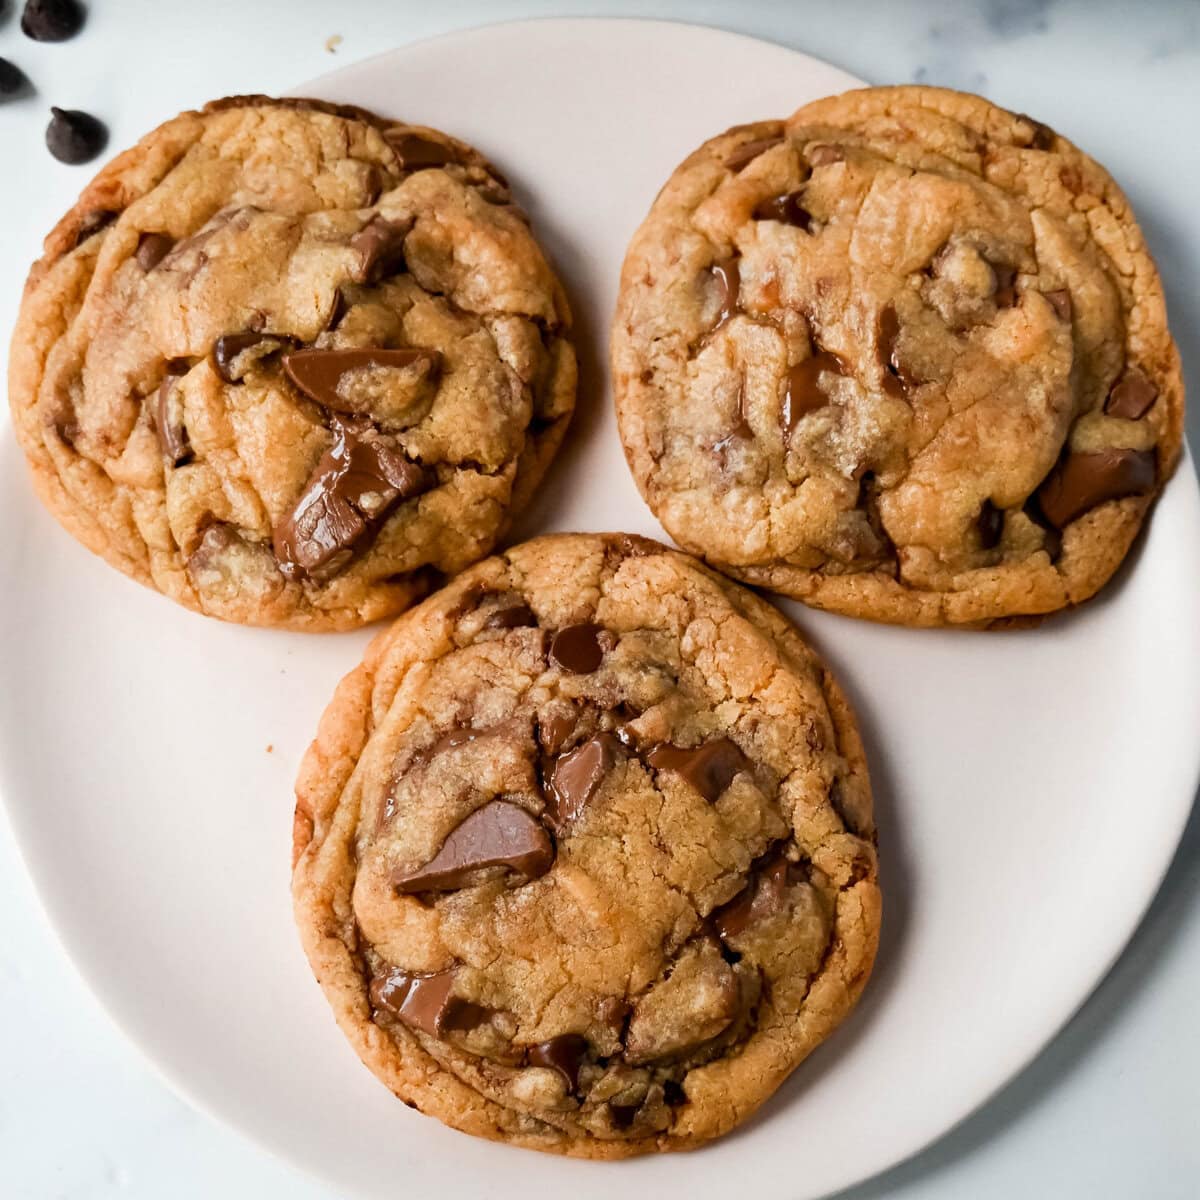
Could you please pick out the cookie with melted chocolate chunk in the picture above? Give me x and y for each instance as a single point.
(903, 355)
(324, 362)
(571, 863)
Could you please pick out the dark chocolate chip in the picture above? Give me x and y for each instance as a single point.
(500, 834)
(804, 393)
(1061, 299)
(425, 1002)
(337, 311)
(95, 221)
(1132, 397)
(354, 486)
(762, 897)
(708, 768)
(516, 615)
(1082, 481)
(168, 422)
(12, 78)
(152, 249)
(74, 137)
(51, 20)
(896, 379)
(317, 373)
(747, 152)
(990, 524)
(577, 649)
(564, 1054)
(623, 1114)
(576, 777)
(728, 279)
(380, 248)
(673, 1093)
(1042, 137)
(786, 208)
(553, 733)
(229, 347)
(417, 153)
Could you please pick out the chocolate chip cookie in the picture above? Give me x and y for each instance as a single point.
(903, 355)
(584, 852)
(289, 363)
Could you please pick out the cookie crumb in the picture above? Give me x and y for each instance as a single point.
(332, 42)
(270, 747)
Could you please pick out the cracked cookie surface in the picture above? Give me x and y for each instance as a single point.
(903, 355)
(584, 851)
(289, 362)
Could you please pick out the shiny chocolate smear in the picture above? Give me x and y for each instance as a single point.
(577, 649)
(1132, 397)
(708, 768)
(1082, 481)
(500, 834)
(747, 152)
(317, 373)
(152, 249)
(804, 393)
(564, 1054)
(729, 281)
(553, 733)
(576, 777)
(356, 483)
(786, 208)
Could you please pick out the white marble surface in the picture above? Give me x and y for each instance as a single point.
(1112, 1108)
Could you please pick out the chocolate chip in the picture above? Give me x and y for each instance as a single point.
(804, 393)
(1005, 294)
(425, 1002)
(728, 279)
(152, 249)
(623, 1114)
(337, 311)
(990, 524)
(1082, 481)
(1061, 299)
(417, 153)
(1132, 397)
(511, 616)
(786, 208)
(352, 489)
(553, 733)
(73, 136)
(51, 20)
(747, 152)
(564, 1054)
(380, 248)
(168, 422)
(95, 221)
(762, 897)
(673, 1093)
(896, 379)
(1042, 137)
(317, 373)
(577, 649)
(708, 768)
(500, 834)
(576, 777)
(229, 347)
(12, 78)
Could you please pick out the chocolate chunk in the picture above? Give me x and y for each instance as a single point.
(577, 649)
(1082, 481)
(896, 379)
(747, 152)
(51, 20)
(152, 249)
(510, 616)
(708, 768)
(804, 393)
(354, 486)
(168, 422)
(623, 1114)
(380, 248)
(12, 78)
(990, 524)
(73, 136)
(673, 1093)
(576, 777)
(500, 834)
(95, 221)
(1042, 137)
(553, 734)
(1061, 299)
(1005, 294)
(317, 373)
(337, 311)
(425, 1002)
(564, 1054)
(786, 208)
(417, 153)
(728, 278)
(1132, 397)
(762, 897)
(229, 347)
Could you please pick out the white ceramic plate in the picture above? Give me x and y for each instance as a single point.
(1031, 786)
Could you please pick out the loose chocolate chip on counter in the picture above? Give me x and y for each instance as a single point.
(417, 153)
(747, 152)
(577, 649)
(12, 78)
(500, 834)
(74, 137)
(152, 249)
(1082, 481)
(729, 281)
(1132, 396)
(380, 248)
(51, 20)
(425, 1002)
(168, 421)
(804, 393)
(990, 524)
(576, 777)
(517, 615)
(317, 373)
(786, 208)
(708, 768)
(95, 221)
(564, 1054)
(1060, 298)
(353, 487)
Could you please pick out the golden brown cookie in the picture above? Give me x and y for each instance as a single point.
(584, 852)
(289, 363)
(903, 356)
